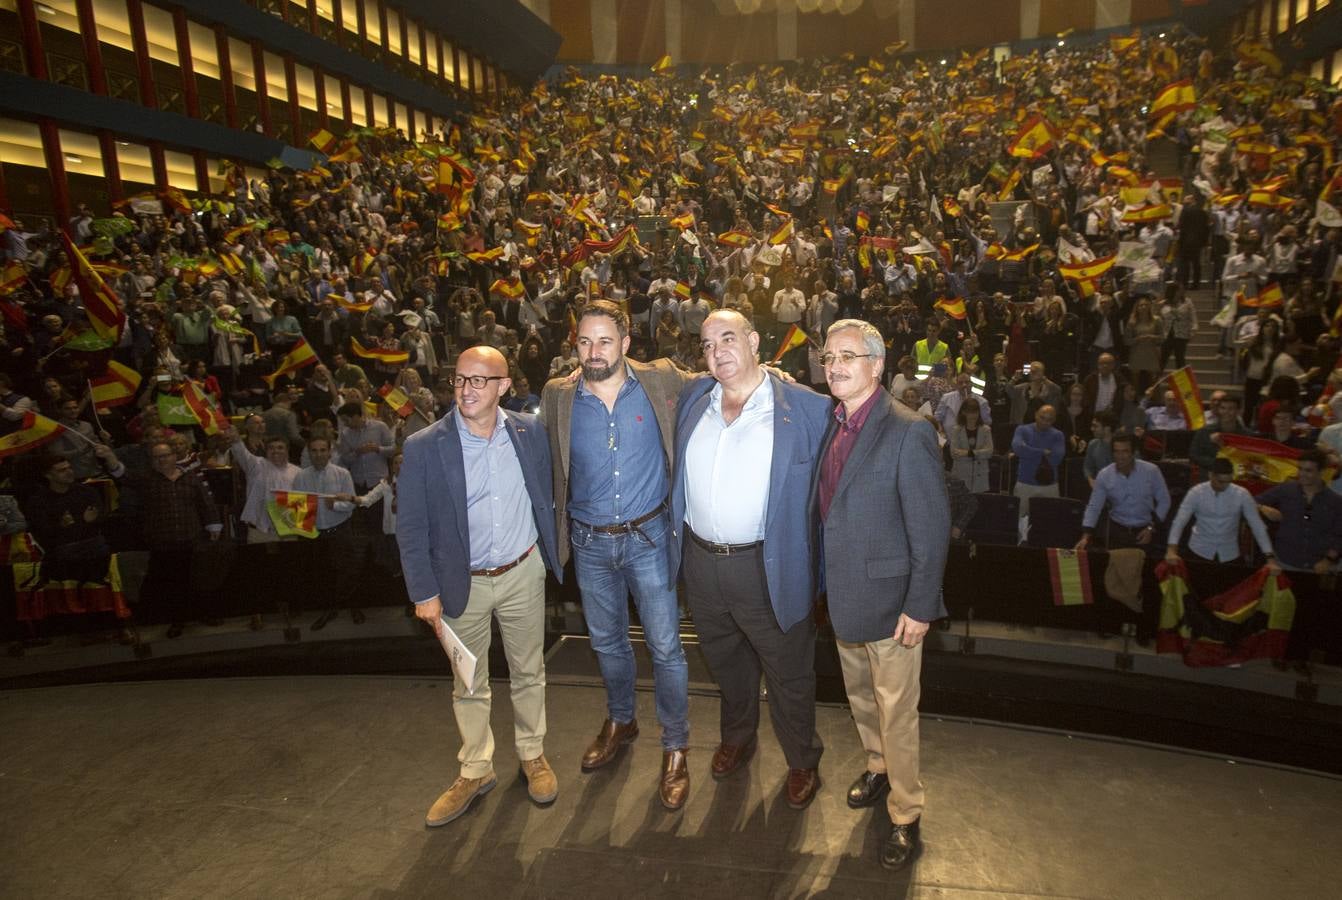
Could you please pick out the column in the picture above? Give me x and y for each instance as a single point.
(111, 166)
(673, 16)
(60, 189)
(787, 31)
(160, 165)
(226, 76)
(319, 83)
(296, 137)
(262, 89)
(184, 62)
(34, 57)
(93, 54)
(143, 67)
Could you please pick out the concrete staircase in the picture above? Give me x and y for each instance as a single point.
(1213, 372)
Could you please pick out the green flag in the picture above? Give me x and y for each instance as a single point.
(172, 410)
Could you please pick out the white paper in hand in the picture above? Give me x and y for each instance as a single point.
(463, 661)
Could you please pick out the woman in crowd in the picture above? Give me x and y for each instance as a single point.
(1074, 419)
(1178, 322)
(971, 445)
(1143, 338)
(1256, 363)
(1058, 339)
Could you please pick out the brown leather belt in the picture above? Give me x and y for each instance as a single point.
(506, 567)
(625, 527)
(723, 549)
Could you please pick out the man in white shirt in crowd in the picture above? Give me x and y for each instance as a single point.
(789, 303)
(1245, 272)
(1218, 504)
(948, 407)
(335, 556)
(265, 475)
(694, 310)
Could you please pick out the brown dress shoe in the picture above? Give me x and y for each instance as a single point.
(730, 757)
(457, 799)
(675, 786)
(802, 785)
(541, 782)
(608, 743)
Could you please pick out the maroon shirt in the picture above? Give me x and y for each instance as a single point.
(831, 467)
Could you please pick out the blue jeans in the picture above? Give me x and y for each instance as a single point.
(610, 567)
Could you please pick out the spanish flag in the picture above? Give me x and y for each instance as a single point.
(1173, 98)
(210, 418)
(530, 230)
(863, 221)
(102, 306)
(1119, 44)
(14, 276)
(302, 355)
(1018, 255)
(1258, 54)
(487, 256)
(346, 303)
(323, 140)
(782, 234)
(1125, 175)
(33, 433)
(396, 399)
(1010, 186)
(1088, 271)
(1069, 573)
(683, 222)
(1251, 620)
(1259, 463)
(293, 514)
(952, 306)
(683, 290)
(115, 388)
(1185, 387)
(512, 288)
(1148, 212)
(736, 239)
(794, 338)
(663, 65)
(952, 208)
(390, 357)
(1269, 296)
(362, 262)
(18, 548)
(831, 185)
(1269, 200)
(1033, 140)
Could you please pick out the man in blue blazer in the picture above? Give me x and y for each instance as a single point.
(746, 448)
(475, 526)
(885, 524)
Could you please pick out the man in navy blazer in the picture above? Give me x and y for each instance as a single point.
(885, 524)
(745, 451)
(476, 530)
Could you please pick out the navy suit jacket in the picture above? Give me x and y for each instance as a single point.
(801, 417)
(431, 523)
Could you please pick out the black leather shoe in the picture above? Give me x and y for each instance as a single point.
(868, 790)
(902, 846)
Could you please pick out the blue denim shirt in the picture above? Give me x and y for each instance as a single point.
(498, 508)
(617, 465)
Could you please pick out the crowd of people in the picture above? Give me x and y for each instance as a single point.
(1003, 224)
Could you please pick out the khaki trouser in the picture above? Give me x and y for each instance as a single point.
(882, 681)
(517, 599)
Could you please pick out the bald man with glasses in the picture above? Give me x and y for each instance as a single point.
(475, 526)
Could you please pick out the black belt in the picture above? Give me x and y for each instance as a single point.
(506, 567)
(335, 528)
(624, 527)
(723, 549)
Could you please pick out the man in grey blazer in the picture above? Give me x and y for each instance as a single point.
(885, 523)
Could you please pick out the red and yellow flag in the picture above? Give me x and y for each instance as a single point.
(1069, 573)
(683, 290)
(396, 399)
(863, 221)
(1269, 296)
(323, 140)
(1087, 271)
(301, 355)
(663, 65)
(736, 238)
(782, 234)
(210, 418)
(1173, 98)
(1185, 386)
(115, 388)
(33, 433)
(390, 357)
(1227, 631)
(1018, 255)
(512, 288)
(1009, 186)
(952, 306)
(794, 338)
(487, 256)
(1258, 54)
(293, 514)
(1148, 212)
(951, 207)
(1259, 463)
(683, 222)
(14, 276)
(349, 304)
(1033, 140)
(102, 306)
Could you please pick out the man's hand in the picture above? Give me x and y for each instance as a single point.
(910, 632)
(1216, 439)
(1172, 555)
(782, 376)
(430, 611)
(1269, 513)
(1322, 567)
(1083, 543)
(956, 533)
(1144, 536)
(369, 447)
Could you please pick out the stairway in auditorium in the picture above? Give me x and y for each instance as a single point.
(1213, 372)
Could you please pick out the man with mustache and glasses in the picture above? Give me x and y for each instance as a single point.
(476, 532)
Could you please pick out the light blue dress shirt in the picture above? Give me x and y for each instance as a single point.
(498, 507)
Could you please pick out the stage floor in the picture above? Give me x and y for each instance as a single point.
(317, 787)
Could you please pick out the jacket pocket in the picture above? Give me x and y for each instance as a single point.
(892, 567)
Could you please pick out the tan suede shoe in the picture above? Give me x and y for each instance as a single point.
(457, 799)
(542, 784)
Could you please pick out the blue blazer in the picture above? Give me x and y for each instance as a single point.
(801, 417)
(431, 523)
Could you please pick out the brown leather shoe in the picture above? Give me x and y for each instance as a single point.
(541, 782)
(730, 757)
(608, 743)
(802, 785)
(457, 799)
(675, 786)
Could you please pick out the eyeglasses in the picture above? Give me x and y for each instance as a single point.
(476, 381)
(846, 357)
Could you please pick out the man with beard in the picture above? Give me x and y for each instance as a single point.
(610, 434)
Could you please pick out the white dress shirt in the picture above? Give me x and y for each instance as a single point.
(1216, 534)
(329, 479)
(727, 469)
(263, 478)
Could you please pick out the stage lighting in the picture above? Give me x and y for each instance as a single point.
(71, 158)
